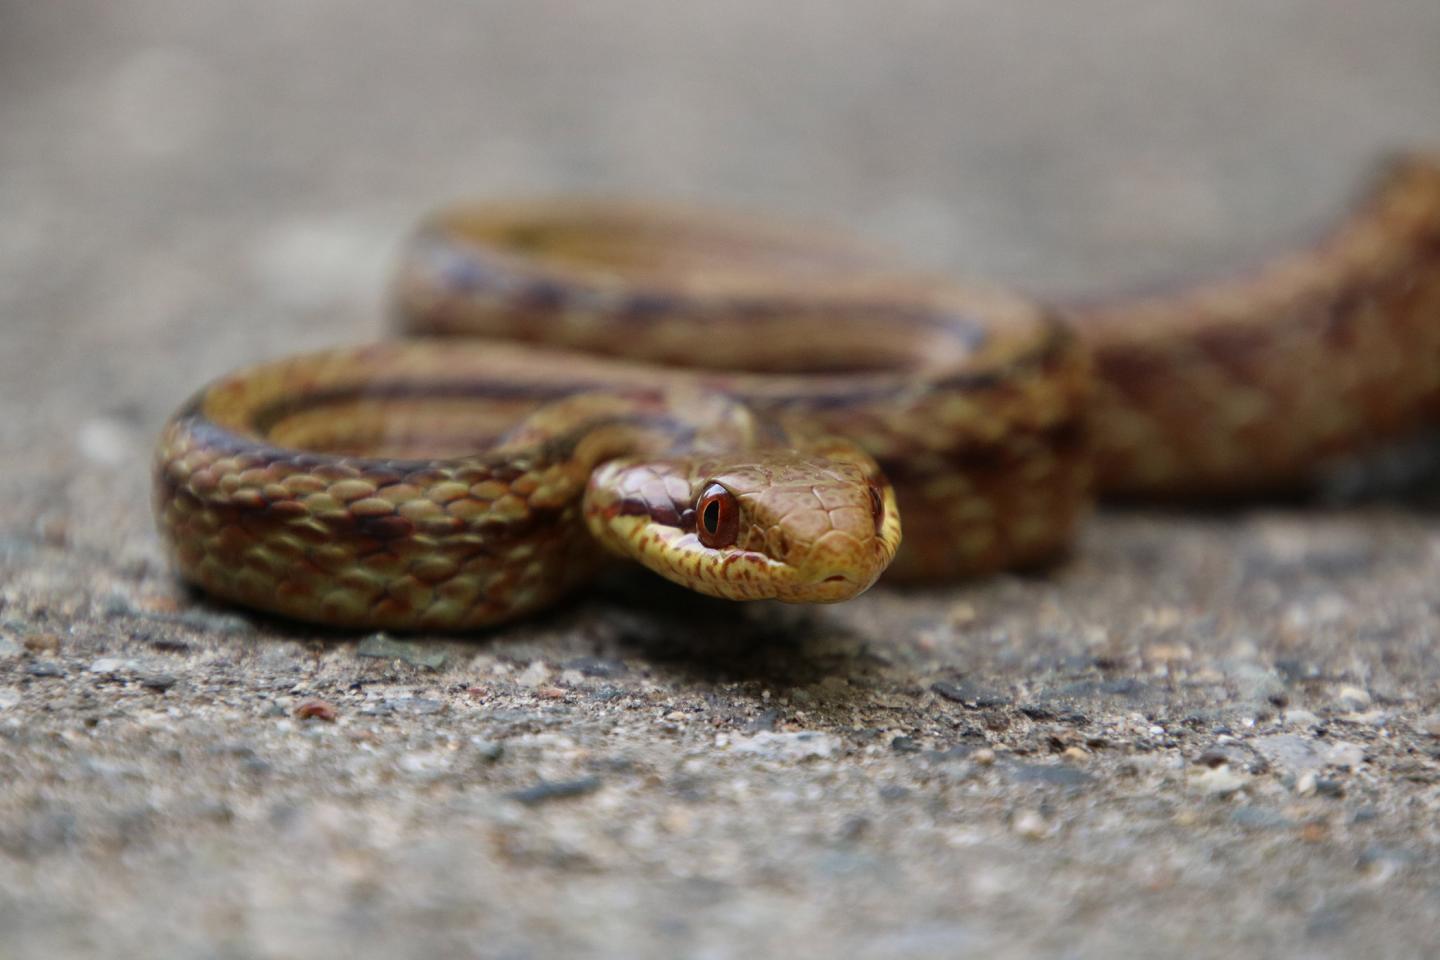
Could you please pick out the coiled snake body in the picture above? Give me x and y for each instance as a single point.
(749, 409)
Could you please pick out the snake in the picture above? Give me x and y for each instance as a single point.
(749, 407)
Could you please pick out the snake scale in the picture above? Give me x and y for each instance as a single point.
(749, 408)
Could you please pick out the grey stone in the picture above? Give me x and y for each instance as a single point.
(801, 745)
(114, 665)
(1353, 699)
(1055, 775)
(971, 694)
(1253, 681)
(1290, 752)
(159, 682)
(546, 791)
(596, 667)
(381, 646)
(1260, 818)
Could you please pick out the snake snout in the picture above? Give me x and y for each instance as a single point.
(833, 530)
(835, 567)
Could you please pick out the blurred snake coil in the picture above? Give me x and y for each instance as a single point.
(749, 409)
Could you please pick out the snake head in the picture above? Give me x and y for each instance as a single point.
(786, 525)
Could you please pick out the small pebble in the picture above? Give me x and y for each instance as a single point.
(983, 757)
(414, 705)
(209, 621)
(597, 667)
(547, 790)
(1260, 818)
(1219, 781)
(1187, 817)
(1218, 756)
(159, 682)
(1382, 863)
(381, 646)
(1030, 825)
(800, 745)
(535, 675)
(45, 668)
(1049, 774)
(962, 614)
(1352, 699)
(970, 695)
(1290, 752)
(105, 441)
(425, 763)
(42, 643)
(317, 710)
(1344, 754)
(1168, 653)
(162, 606)
(1430, 725)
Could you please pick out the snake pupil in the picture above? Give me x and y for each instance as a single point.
(712, 517)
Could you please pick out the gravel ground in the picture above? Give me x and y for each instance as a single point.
(1206, 734)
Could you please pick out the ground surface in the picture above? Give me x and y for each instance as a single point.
(1207, 734)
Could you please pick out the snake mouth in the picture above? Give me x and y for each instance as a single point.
(826, 587)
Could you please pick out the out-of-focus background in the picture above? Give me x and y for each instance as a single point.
(233, 178)
(1207, 735)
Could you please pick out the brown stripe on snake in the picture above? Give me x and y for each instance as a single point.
(749, 409)
(435, 262)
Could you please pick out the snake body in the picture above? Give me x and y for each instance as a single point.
(750, 408)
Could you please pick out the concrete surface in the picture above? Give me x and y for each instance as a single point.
(1209, 734)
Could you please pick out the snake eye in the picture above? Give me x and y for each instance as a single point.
(717, 517)
(877, 507)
